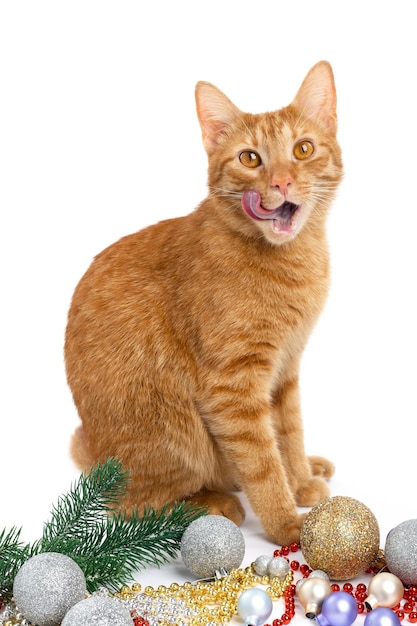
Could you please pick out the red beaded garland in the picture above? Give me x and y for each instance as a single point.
(360, 593)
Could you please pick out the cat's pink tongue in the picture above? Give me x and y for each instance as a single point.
(251, 204)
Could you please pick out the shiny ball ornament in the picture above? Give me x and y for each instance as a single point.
(312, 594)
(100, 610)
(317, 573)
(254, 606)
(338, 609)
(401, 551)
(385, 589)
(47, 586)
(341, 537)
(210, 544)
(278, 566)
(382, 616)
(260, 564)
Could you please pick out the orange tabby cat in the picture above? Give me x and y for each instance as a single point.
(184, 340)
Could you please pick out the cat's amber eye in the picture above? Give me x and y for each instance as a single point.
(249, 158)
(303, 150)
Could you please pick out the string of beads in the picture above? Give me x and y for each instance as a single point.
(203, 603)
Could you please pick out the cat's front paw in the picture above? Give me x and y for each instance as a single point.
(285, 532)
(312, 492)
(321, 466)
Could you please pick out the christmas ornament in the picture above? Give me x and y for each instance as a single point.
(338, 609)
(261, 564)
(276, 566)
(254, 607)
(98, 610)
(47, 586)
(312, 594)
(341, 537)
(212, 544)
(385, 589)
(401, 551)
(382, 616)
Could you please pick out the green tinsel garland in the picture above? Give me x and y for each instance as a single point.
(87, 525)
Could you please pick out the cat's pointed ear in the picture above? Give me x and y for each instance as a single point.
(316, 98)
(215, 113)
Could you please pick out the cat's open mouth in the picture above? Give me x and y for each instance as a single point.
(282, 216)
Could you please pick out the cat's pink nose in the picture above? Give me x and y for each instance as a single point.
(282, 183)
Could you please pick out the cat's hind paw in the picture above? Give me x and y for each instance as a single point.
(286, 532)
(219, 503)
(312, 492)
(321, 466)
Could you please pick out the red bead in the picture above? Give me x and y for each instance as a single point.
(408, 607)
(140, 621)
(294, 547)
(335, 587)
(277, 553)
(294, 565)
(277, 622)
(361, 587)
(285, 550)
(399, 614)
(305, 570)
(361, 596)
(348, 587)
(361, 607)
(412, 617)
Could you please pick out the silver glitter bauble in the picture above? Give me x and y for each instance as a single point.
(260, 565)
(401, 551)
(212, 543)
(278, 566)
(98, 610)
(47, 586)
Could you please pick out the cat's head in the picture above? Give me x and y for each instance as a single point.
(273, 173)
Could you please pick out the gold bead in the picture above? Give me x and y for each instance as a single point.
(137, 587)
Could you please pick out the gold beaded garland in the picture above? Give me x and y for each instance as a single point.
(203, 602)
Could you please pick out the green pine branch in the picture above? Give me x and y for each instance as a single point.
(87, 525)
(121, 546)
(90, 498)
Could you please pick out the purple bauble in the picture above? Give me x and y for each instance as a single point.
(338, 609)
(382, 616)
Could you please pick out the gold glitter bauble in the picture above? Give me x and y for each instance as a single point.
(340, 536)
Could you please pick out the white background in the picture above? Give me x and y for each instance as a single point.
(99, 137)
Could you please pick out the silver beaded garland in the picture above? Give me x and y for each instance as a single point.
(47, 586)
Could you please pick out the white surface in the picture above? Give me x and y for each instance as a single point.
(99, 137)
